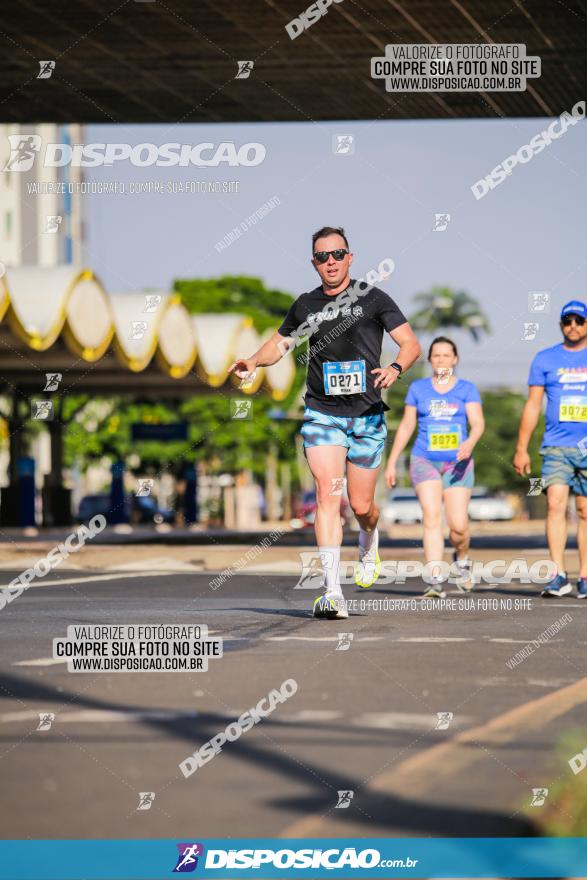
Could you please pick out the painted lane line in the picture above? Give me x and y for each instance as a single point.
(97, 577)
(160, 563)
(401, 720)
(50, 661)
(318, 639)
(374, 720)
(519, 641)
(315, 715)
(435, 639)
(509, 641)
(41, 661)
(97, 716)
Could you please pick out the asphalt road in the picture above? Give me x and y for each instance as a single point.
(363, 719)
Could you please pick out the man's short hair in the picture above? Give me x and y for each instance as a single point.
(328, 230)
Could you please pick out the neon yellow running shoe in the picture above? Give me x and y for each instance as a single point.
(369, 565)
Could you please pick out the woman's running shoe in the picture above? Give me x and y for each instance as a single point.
(434, 589)
(464, 579)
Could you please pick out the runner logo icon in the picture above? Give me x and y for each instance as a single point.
(187, 860)
(344, 799)
(539, 796)
(22, 151)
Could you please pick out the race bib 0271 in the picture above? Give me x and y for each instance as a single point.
(344, 377)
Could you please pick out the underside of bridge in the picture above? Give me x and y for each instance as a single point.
(176, 61)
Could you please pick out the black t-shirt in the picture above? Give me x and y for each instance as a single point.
(346, 328)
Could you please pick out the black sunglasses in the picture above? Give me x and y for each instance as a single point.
(567, 320)
(322, 256)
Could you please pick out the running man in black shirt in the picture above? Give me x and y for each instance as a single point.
(344, 421)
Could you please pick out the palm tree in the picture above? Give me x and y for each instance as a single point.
(443, 307)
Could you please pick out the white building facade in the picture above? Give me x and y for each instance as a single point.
(31, 200)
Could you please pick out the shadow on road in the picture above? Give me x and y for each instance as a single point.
(378, 812)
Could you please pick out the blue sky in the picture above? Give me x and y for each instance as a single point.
(528, 234)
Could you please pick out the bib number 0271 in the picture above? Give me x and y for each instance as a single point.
(344, 377)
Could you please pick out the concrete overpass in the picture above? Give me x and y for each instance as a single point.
(176, 61)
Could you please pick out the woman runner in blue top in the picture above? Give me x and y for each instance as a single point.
(441, 463)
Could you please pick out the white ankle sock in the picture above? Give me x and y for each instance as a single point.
(367, 539)
(330, 559)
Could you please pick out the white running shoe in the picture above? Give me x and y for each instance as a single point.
(434, 589)
(464, 580)
(369, 565)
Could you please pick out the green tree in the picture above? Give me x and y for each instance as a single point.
(495, 450)
(442, 307)
(235, 293)
(101, 427)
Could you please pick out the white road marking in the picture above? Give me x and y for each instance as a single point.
(39, 582)
(375, 720)
(531, 682)
(434, 639)
(50, 661)
(28, 562)
(510, 641)
(283, 566)
(567, 604)
(366, 639)
(496, 681)
(161, 563)
(556, 683)
(41, 661)
(519, 641)
(315, 715)
(318, 638)
(401, 720)
(95, 716)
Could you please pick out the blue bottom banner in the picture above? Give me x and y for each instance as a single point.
(279, 857)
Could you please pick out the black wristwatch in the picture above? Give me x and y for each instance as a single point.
(397, 367)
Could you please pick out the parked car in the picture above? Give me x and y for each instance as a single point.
(149, 510)
(305, 510)
(484, 506)
(143, 509)
(402, 506)
(93, 505)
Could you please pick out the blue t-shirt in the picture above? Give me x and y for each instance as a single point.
(563, 374)
(442, 418)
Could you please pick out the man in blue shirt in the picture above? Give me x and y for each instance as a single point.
(561, 371)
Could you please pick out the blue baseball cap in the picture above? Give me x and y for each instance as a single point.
(574, 307)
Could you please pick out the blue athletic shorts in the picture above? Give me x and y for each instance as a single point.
(566, 466)
(363, 436)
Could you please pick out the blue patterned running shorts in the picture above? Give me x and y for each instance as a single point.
(363, 436)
